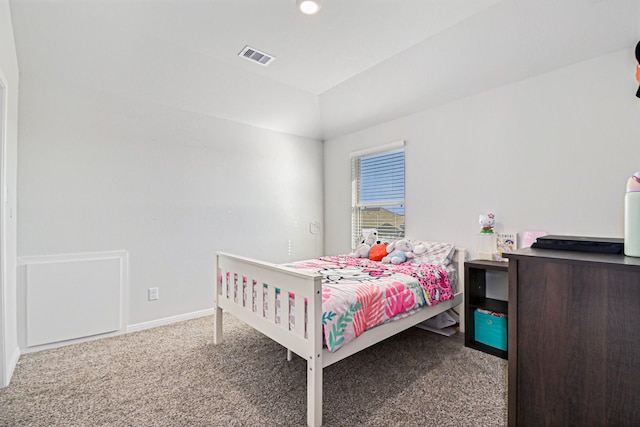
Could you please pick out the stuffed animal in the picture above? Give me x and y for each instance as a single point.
(377, 252)
(362, 251)
(487, 222)
(399, 251)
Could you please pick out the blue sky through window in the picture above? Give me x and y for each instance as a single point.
(382, 180)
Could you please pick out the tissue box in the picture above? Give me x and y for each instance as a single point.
(491, 330)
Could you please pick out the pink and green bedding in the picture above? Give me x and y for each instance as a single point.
(358, 294)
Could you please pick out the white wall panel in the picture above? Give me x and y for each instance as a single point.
(74, 296)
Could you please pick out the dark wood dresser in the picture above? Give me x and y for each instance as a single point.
(574, 339)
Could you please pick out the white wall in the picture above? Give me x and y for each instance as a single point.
(550, 153)
(99, 172)
(8, 79)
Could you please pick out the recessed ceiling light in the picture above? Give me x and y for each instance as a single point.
(308, 7)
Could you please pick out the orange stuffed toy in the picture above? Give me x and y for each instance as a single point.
(377, 252)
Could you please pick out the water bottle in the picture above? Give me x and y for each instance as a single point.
(632, 217)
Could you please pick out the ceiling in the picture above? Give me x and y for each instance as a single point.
(353, 64)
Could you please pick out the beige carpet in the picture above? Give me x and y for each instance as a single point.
(175, 376)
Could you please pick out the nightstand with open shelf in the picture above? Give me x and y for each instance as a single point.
(475, 291)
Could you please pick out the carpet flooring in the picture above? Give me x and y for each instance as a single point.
(174, 376)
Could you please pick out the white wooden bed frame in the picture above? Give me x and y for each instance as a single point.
(304, 286)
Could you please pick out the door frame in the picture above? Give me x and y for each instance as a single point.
(4, 380)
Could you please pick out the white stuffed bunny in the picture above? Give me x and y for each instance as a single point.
(400, 251)
(362, 251)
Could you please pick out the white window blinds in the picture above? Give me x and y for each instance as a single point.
(378, 193)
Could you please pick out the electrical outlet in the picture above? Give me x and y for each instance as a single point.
(153, 294)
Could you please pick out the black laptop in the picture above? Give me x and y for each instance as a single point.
(603, 245)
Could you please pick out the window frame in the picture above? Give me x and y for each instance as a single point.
(358, 206)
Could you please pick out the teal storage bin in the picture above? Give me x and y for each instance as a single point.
(491, 330)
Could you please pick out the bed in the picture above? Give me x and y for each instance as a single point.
(285, 303)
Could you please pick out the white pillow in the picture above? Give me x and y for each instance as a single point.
(435, 253)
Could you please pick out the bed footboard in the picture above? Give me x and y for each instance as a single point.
(251, 290)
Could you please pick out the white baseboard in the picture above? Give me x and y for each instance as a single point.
(58, 344)
(11, 366)
(128, 329)
(169, 320)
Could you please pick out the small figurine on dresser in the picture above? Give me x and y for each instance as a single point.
(486, 237)
(487, 222)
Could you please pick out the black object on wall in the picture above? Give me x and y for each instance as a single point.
(638, 68)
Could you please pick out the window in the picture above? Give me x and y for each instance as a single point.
(377, 178)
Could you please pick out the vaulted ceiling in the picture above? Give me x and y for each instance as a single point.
(354, 64)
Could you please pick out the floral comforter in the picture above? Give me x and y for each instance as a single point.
(358, 294)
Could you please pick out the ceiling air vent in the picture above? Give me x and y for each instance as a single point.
(255, 55)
